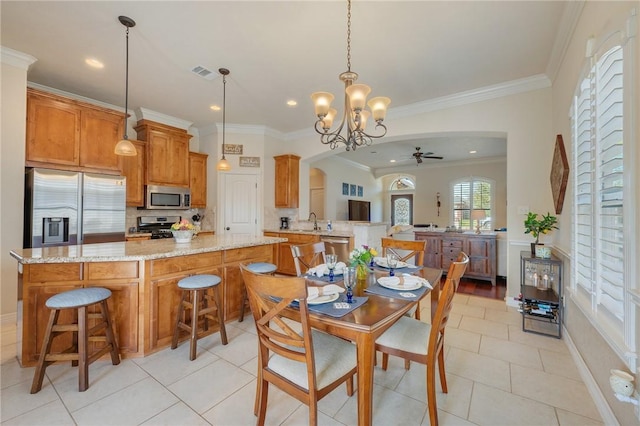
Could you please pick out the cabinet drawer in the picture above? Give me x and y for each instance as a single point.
(451, 251)
(185, 263)
(451, 243)
(236, 255)
(111, 270)
(58, 272)
(300, 238)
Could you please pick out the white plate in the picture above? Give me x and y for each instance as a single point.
(395, 283)
(323, 299)
(382, 262)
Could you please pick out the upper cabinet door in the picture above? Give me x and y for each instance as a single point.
(53, 131)
(287, 177)
(133, 169)
(167, 153)
(198, 179)
(99, 134)
(70, 134)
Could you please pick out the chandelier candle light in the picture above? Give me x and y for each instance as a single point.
(355, 116)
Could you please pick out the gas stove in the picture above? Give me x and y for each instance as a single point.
(159, 226)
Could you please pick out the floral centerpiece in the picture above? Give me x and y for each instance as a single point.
(360, 258)
(183, 231)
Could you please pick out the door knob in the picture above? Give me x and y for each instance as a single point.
(227, 228)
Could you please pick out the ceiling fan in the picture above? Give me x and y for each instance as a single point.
(420, 155)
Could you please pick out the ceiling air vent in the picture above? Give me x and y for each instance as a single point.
(204, 72)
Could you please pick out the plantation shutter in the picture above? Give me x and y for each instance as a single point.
(609, 130)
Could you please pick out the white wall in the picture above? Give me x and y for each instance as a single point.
(12, 156)
(597, 18)
(340, 171)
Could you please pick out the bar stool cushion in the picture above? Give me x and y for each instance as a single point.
(197, 282)
(78, 297)
(262, 267)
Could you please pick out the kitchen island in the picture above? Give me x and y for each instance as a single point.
(142, 276)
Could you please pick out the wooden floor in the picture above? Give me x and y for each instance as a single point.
(484, 288)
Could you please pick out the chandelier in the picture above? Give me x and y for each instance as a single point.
(355, 116)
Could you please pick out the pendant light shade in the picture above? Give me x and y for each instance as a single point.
(223, 165)
(125, 147)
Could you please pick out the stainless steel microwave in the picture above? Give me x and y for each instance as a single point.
(167, 198)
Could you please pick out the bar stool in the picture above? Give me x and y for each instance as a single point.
(78, 353)
(257, 268)
(194, 284)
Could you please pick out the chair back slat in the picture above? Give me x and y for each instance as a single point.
(269, 296)
(445, 303)
(307, 256)
(416, 249)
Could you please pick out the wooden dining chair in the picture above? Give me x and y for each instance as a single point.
(306, 364)
(415, 340)
(307, 256)
(416, 253)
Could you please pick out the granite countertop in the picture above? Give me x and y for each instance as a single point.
(137, 250)
(322, 232)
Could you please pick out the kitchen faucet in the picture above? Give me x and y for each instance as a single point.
(315, 221)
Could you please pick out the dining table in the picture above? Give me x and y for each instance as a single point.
(366, 323)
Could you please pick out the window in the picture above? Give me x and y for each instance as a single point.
(402, 205)
(602, 229)
(472, 194)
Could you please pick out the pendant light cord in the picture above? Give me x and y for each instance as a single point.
(224, 109)
(349, 35)
(126, 89)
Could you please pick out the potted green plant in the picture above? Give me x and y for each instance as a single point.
(535, 226)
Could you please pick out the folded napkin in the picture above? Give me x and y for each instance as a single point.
(323, 269)
(409, 279)
(314, 292)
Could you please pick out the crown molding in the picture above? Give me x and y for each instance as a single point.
(568, 23)
(158, 117)
(17, 59)
(73, 96)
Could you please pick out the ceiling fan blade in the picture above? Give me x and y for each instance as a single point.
(433, 156)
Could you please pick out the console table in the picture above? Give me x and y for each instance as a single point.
(443, 248)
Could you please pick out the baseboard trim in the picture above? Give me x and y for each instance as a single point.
(608, 418)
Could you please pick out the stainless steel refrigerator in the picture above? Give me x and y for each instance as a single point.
(68, 208)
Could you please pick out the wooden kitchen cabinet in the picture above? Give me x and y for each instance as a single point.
(133, 169)
(285, 263)
(443, 248)
(233, 284)
(198, 179)
(287, 181)
(167, 153)
(41, 281)
(70, 134)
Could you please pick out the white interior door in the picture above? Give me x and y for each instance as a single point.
(240, 205)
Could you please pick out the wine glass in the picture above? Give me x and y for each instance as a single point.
(349, 281)
(392, 262)
(332, 259)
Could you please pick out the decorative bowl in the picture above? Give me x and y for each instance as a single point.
(182, 236)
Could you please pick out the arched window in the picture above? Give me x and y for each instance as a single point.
(475, 195)
(402, 204)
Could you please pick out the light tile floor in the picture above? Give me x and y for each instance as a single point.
(497, 375)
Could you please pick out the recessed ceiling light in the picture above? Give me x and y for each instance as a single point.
(215, 108)
(473, 151)
(292, 102)
(392, 161)
(94, 63)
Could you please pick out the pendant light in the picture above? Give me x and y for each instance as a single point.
(223, 164)
(125, 147)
